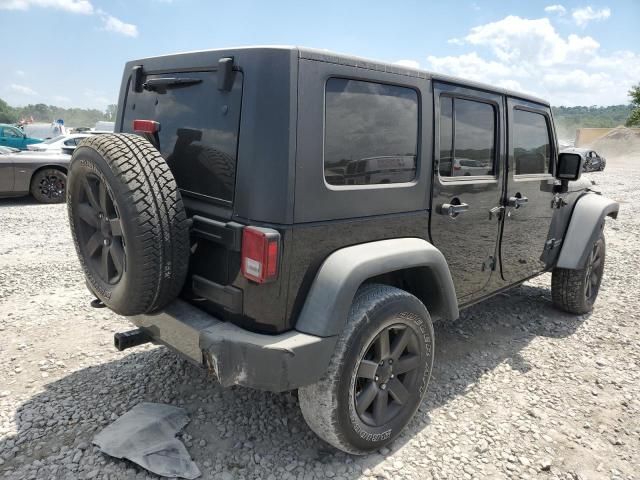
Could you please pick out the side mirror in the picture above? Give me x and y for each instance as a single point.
(569, 167)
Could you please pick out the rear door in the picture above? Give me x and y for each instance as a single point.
(529, 194)
(199, 126)
(467, 184)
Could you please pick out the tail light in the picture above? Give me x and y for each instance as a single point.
(146, 126)
(260, 252)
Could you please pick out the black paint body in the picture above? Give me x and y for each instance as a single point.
(277, 100)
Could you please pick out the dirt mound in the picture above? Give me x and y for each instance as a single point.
(619, 142)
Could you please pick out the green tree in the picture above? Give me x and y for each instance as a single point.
(7, 113)
(634, 118)
(110, 112)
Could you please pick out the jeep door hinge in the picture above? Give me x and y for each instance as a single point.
(551, 244)
(558, 202)
(496, 212)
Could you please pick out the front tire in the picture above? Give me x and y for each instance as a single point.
(378, 374)
(575, 291)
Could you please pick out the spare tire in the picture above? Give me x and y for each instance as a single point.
(129, 225)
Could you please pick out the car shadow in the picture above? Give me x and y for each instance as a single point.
(236, 427)
(25, 201)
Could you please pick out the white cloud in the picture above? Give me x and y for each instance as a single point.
(84, 7)
(22, 89)
(470, 66)
(113, 24)
(19, 73)
(74, 6)
(515, 39)
(559, 9)
(529, 55)
(582, 16)
(408, 63)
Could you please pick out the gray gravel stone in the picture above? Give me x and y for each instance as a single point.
(511, 394)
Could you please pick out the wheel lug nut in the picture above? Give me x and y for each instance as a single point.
(106, 242)
(383, 386)
(377, 378)
(390, 361)
(392, 375)
(381, 362)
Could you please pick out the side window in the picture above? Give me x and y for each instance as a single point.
(446, 136)
(71, 142)
(11, 133)
(371, 133)
(531, 143)
(467, 138)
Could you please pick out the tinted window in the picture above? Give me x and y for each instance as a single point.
(198, 129)
(371, 133)
(531, 144)
(467, 141)
(12, 132)
(446, 136)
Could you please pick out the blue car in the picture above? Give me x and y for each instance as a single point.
(11, 136)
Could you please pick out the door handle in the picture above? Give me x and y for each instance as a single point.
(452, 209)
(517, 201)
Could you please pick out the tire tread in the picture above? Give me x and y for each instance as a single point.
(160, 221)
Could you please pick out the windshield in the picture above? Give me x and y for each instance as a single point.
(53, 140)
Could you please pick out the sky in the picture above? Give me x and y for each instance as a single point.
(71, 53)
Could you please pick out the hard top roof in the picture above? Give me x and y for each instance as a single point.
(359, 62)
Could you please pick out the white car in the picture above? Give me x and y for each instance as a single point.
(44, 131)
(55, 145)
(104, 127)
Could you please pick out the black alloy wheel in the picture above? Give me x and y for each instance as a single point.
(52, 187)
(593, 272)
(387, 373)
(49, 185)
(576, 290)
(100, 230)
(378, 373)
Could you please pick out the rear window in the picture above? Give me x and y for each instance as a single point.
(371, 133)
(198, 129)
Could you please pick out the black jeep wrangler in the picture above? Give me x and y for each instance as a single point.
(295, 219)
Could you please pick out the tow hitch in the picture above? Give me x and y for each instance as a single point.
(132, 338)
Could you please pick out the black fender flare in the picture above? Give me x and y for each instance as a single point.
(326, 308)
(585, 225)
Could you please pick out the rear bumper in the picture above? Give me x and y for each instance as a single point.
(238, 357)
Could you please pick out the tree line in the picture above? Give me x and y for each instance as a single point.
(39, 112)
(569, 119)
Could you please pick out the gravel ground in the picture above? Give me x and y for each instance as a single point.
(519, 390)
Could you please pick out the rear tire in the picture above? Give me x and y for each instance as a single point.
(49, 186)
(575, 291)
(370, 391)
(128, 223)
